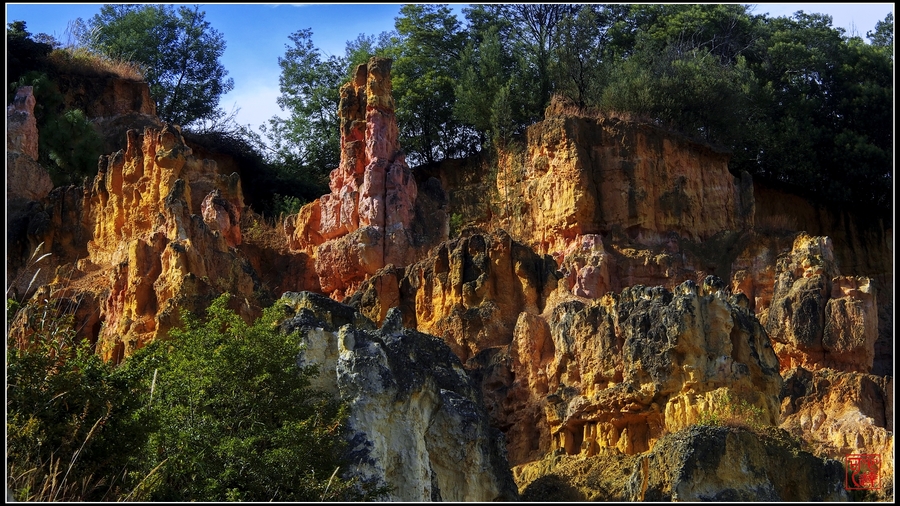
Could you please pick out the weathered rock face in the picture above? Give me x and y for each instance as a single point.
(701, 463)
(106, 97)
(365, 223)
(147, 225)
(469, 291)
(862, 246)
(27, 184)
(26, 180)
(588, 176)
(619, 372)
(158, 232)
(570, 353)
(842, 413)
(416, 419)
(576, 374)
(818, 318)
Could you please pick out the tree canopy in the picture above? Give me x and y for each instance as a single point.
(798, 102)
(178, 49)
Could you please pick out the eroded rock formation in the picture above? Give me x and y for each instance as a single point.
(585, 175)
(158, 232)
(841, 414)
(819, 318)
(618, 282)
(365, 223)
(697, 464)
(27, 184)
(416, 419)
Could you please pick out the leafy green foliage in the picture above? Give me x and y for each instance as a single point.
(883, 35)
(734, 412)
(69, 145)
(579, 47)
(179, 50)
(220, 412)
(307, 143)
(237, 419)
(429, 41)
(71, 417)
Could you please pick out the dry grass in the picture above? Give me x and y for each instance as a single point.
(777, 223)
(265, 231)
(562, 106)
(81, 61)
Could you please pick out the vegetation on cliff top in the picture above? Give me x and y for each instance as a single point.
(219, 412)
(799, 103)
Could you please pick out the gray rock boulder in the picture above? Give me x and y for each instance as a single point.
(417, 421)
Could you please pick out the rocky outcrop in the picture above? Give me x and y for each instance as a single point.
(818, 318)
(619, 285)
(27, 184)
(26, 180)
(702, 463)
(841, 414)
(620, 372)
(157, 233)
(582, 375)
(469, 291)
(583, 175)
(560, 374)
(416, 421)
(365, 223)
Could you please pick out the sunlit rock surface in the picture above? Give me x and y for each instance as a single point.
(416, 423)
(365, 223)
(697, 464)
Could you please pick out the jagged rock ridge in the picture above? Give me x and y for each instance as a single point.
(546, 306)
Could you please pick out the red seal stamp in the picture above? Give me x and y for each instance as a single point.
(863, 470)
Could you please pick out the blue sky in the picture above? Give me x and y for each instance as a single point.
(256, 35)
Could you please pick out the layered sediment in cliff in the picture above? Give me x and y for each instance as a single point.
(581, 175)
(365, 223)
(615, 284)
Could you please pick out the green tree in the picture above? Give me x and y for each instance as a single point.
(306, 144)
(179, 50)
(429, 42)
(883, 36)
(23, 52)
(237, 419)
(537, 26)
(828, 121)
(578, 66)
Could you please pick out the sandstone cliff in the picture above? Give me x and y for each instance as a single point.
(157, 232)
(611, 283)
(366, 222)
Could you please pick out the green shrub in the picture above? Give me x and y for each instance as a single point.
(236, 417)
(71, 417)
(219, 412)
(285, 205)
(455, 224)
(734, 412)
